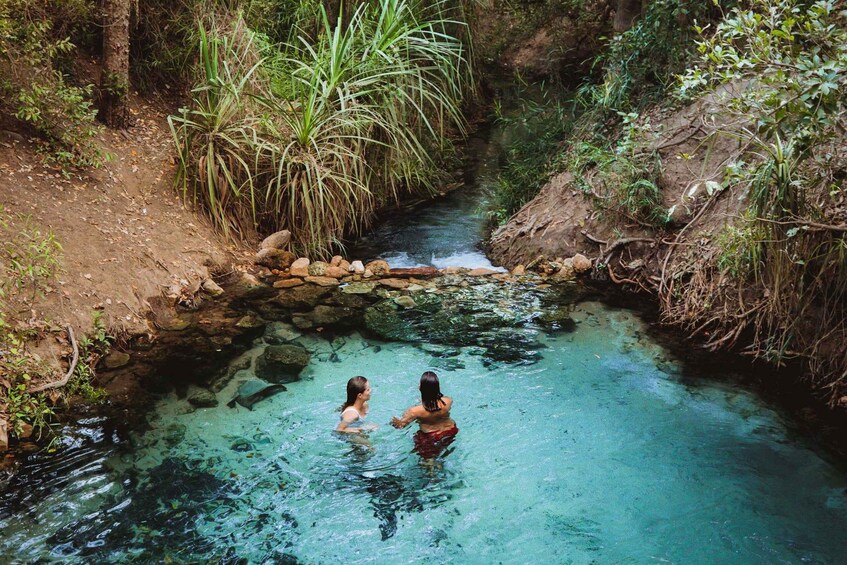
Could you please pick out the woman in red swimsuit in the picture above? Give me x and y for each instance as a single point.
(433, 415)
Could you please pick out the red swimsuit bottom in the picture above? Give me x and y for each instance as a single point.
(430, 444)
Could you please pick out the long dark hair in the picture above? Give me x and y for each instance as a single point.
(430, 392)
(355, 386)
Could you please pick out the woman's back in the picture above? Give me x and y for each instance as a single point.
(438, 420)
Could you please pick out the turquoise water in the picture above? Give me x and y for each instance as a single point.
(591, 454)
(579, 442)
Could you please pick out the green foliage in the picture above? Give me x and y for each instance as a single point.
(29, 256)
(603, 131)
(315, 136)
(29, 259)
(741, 248)
(92, 347)
(641, 63)
(785, 67)
(24, 409)
(792, 58)
(34, 45)
(621, 176)
(538, 129)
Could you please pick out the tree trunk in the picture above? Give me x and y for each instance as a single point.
(114, 76)
(626, 14)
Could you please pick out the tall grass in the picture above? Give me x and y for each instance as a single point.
(315, 135)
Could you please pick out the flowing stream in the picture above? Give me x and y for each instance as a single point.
(581, 440)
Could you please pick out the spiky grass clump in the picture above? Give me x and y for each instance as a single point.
(313, 137)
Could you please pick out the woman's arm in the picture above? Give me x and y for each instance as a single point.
(408, 417)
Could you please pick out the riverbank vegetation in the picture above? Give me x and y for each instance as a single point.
(747, 99)
(317, 133)
(30, 260)
(300, 115)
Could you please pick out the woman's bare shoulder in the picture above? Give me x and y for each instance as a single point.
(417, 410)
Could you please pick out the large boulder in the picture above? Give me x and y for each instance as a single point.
(281, 363)
(581, 263)
(300, 267)
(379, 268)
(317, 269)
(277, 240)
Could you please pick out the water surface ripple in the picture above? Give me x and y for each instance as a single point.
(596, 451)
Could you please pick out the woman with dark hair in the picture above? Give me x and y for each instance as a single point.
(355, 408)
(437, 428)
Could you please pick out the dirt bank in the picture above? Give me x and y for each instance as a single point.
(125, 234)
(681, 261)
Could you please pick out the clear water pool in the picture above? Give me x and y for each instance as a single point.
(590, 454)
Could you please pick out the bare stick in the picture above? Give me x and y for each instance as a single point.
(71, 369)
(590, 237)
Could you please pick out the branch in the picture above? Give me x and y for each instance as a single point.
(590, 237)
(814, 225)
(624, 241)
(71, 369)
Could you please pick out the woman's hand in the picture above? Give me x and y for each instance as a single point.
(397, 422)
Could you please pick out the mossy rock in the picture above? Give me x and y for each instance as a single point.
(281, 363)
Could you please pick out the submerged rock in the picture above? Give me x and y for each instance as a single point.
(323, 315)
(358, 288)
(405, 302)
(174, 434)
(249, 321)
(116, 360)
(202, 398)
(253, 391)
(302, 297)
(278, 333)
(242, 363)
(281, 363)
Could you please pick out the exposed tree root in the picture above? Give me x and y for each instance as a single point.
(63, 381)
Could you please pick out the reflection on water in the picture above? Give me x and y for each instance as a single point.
(593, 451)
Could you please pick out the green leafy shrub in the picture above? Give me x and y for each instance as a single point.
(621, 176)
(787, 61)
(641, 64)
(34, 44)
(29, 259)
